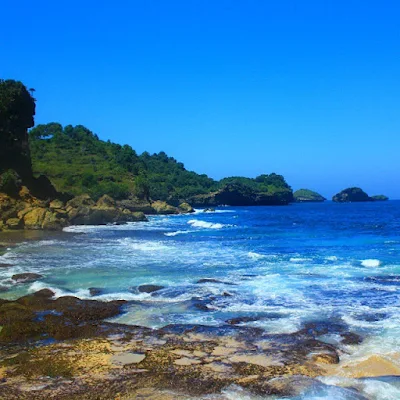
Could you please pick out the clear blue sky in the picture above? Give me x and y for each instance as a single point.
(309, 89)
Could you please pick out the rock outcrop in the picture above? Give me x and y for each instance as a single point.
(24, 211)
(28, 212)
(307, 196)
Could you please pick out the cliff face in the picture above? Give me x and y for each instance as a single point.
(17, 109)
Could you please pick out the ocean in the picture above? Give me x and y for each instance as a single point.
(278, 268)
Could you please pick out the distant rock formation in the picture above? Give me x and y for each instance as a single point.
(356, 194)
(379, 197)
(307, 196)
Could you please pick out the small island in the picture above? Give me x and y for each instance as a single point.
(354, 195)
(307, 196)
(380, 197)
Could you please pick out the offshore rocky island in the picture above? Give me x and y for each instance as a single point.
(188, 338)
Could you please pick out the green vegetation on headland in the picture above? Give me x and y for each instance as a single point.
(307, 196)
(78, 162)
(355, 194)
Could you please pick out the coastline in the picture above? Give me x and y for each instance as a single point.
(179, 361)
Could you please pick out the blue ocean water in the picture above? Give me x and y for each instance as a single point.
(284, 266)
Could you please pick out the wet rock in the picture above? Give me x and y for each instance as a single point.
(351, 338)
(26, 277)
(37, 316)
(201, 306)
(149, 288)
(185, 208)
(93, 291)
(212, 280)
(208, 210)
(241, 320)
(323, 327)
(161, 207)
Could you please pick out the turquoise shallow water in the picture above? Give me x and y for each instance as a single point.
(283, 266)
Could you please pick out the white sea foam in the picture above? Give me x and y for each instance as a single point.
(202, 210)
(129, 226)
(255, 256)
(142, 245)
(196, 223)
(373, 388)
(299, 259)
(370, 263)
(176, 233)
(331, 258)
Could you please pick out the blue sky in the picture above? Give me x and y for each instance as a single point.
(309, 89)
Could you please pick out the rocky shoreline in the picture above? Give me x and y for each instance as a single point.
(24, 211)
(66, 348)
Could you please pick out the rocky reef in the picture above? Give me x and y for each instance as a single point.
(354, 195)
(307, 196)
(62, 348)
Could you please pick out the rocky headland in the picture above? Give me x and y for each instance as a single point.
(237, 194)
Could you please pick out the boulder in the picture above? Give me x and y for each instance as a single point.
(149, 288)
(15, 223)
(161, 207)
(93, 291)
(135, 205)
(208, 210)
(79, 201)
(34, 218)
(106, 202)
(25, 194)
(56, 204)
(52, 221)
(185, 208)
(26, 277)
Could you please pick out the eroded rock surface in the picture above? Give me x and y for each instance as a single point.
(82, 356)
